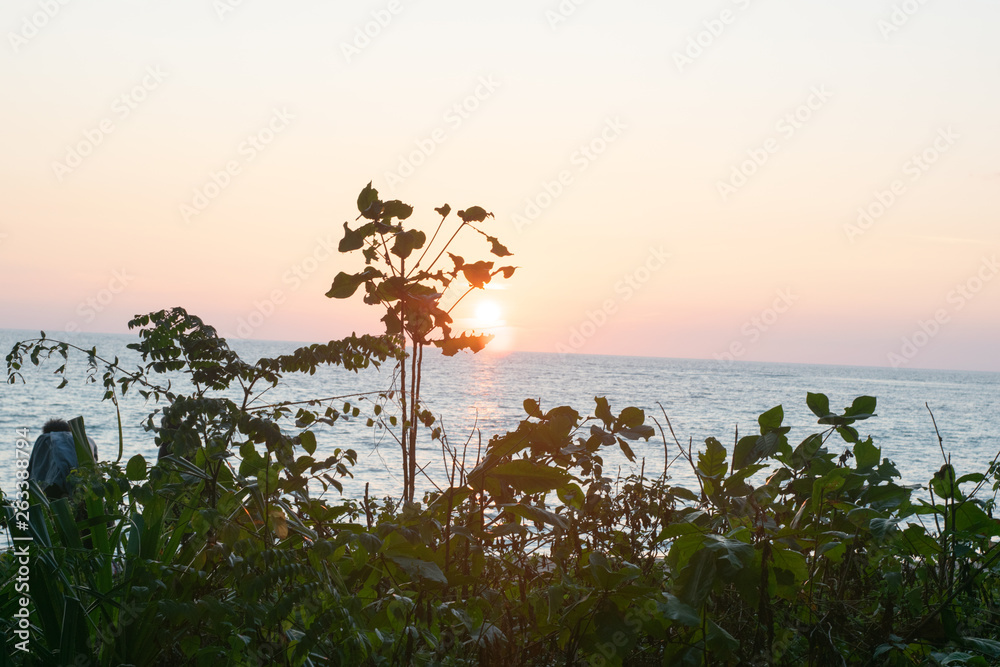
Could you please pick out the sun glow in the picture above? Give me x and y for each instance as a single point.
(488, 315)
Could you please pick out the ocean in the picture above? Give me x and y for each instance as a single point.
(478, 396)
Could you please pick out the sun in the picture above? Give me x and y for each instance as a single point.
(488, 314)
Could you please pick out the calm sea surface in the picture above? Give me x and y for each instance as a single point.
(481, 395)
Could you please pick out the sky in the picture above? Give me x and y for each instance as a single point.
(753, 180)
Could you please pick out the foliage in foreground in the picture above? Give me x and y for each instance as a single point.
(221, 555)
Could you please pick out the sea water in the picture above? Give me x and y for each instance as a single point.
(478, 396)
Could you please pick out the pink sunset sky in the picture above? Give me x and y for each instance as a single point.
(764, 181)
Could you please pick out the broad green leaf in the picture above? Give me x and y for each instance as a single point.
(861, 517)
(828, 546)
(848, 433)
(419, 568)
(396, 209)
(915, 537)
(308, 440)
(818, 403)
(866, 455)
(743, 452)
(990, 647)
(601, 436)
(452, 346)
(498, 249)
(720, 640)
(806, 450)
(603, 410)
(736, 484)
(753, 448)
(478, 273)
(355, 238)
(563, 417)
(712, 461)
(792, 562)
(509, 529)
(599, 569)
(406, 242)
(943, 482)
(135, 470)
(631, 417)
(971, 477)
(886, 496)
(367, 197)
(732, 554)
(626, 450)
(529, 477)
(683, 493)
(679, 529)
(537, 514)
(882, 527)
(344, 285)
(970, 517)
(639, 432)
(696, 580)
(531, 408)
(474, 214)
(828, 483)
(863, 407)
(684, 545)
(678, 611)
(771, 419)
(571, 495)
